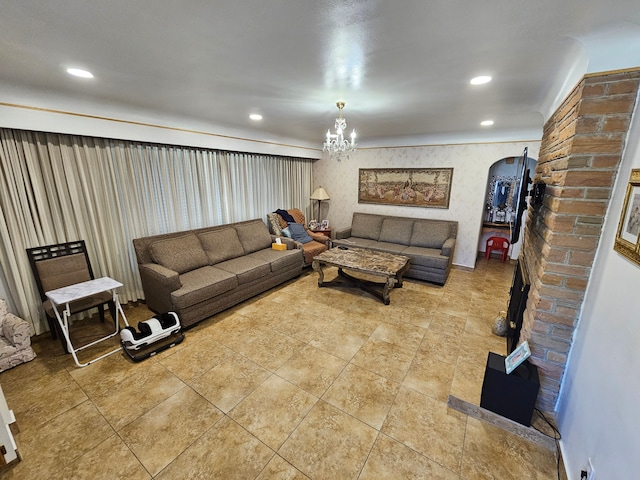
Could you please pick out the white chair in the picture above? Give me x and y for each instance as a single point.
(15, 339)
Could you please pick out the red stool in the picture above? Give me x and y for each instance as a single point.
(500, 244)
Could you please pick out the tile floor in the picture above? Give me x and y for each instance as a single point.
(300, 382)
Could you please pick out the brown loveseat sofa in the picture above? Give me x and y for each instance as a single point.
(428, 243)
(198, 273)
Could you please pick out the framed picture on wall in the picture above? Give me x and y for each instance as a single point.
(627, 238)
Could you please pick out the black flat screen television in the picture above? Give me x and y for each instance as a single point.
(521, 198)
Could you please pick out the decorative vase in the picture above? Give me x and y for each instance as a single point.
(500, 325)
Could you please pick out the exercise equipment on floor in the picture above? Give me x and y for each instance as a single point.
(160, 332)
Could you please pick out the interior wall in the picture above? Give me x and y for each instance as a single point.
(470, 163)
(598, 407)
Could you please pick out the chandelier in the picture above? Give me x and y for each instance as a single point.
(335, 143)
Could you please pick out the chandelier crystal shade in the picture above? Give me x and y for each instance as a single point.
(335, 143)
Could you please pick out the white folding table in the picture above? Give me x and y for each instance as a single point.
(62, 297)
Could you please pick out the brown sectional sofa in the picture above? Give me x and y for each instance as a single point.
(428, 243)
(198, 273)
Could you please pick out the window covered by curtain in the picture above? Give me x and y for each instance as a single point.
(56, 188)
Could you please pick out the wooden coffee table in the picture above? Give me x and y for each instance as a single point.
(386, 266)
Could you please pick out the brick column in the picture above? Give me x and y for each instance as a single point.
(580, 153)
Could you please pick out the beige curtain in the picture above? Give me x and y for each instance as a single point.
(57, 188)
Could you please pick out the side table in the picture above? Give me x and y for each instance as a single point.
(61, 297)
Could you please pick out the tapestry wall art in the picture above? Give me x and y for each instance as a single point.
(411, 187)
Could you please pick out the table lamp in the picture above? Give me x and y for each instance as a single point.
(319, 194)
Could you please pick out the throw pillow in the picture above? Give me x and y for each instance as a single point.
(286, 232)
(253, 235)
(299, 234)
(181, 254)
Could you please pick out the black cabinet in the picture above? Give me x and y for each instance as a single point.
(513, 396)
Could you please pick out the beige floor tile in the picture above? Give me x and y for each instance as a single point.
(147, 388)
(467, 380)
(226, 384)
(312, 369)
(363, 394)
(270, 349)
(441, 346)
(202, 355)
(403, 335)
(339, 340)
(490, 452)
(226, 451)
(279, 468)
(273, 410)
(385, 359)
(165, 431)
(391, 459)
(36, 403)
(430, 376)
(329, 444)
(61, 441)
(427, 426)
(303, 326)
(101, 378)
(111, 459)
(448, 323)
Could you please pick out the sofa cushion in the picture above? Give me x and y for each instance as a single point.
(246, 268)
(426, 257)
(279, 259)
(254, 236)
(430, 234)
(180, 254)
(298, 233)
(221, 245)
(389, 247)
(366, 226)
(355, 242)
(202, 284)
(396, 230)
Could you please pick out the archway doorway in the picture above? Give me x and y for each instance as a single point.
(503, 185)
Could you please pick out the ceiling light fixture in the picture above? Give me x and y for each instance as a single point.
(255, 117)
(335, 143)
(77, 72)
(481, 80)
(486, 123)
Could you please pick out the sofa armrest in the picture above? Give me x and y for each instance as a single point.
(158, 282)
(447, 247)
(343, 233)
(16, 331)
(289, 242)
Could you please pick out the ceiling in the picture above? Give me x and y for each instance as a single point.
(402, 67)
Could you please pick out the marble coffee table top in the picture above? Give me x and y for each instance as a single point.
(364, 260)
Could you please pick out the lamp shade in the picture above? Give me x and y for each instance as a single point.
(319, 194)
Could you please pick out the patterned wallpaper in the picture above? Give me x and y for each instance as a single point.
(470, 162)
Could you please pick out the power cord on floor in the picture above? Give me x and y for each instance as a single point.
(556, 436)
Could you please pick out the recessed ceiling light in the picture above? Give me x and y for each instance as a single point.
(77, 72)
(486, 123)
(482, 79)
(255, 117)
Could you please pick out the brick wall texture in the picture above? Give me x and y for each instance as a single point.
(580, 154)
